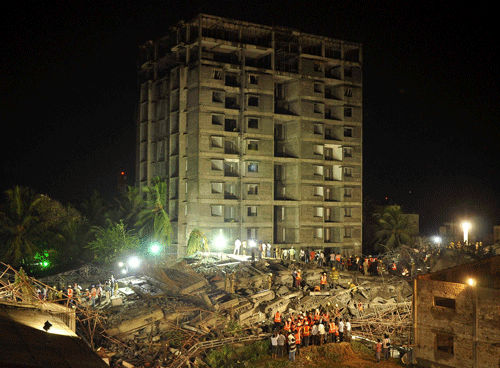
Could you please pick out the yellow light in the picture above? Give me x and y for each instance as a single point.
(466, 226)
(471, 282)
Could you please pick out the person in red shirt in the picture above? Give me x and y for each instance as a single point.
(312, 255)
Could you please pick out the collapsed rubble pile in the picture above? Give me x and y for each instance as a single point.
(172, 318)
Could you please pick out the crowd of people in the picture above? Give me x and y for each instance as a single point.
(314, 327)
(75, 295)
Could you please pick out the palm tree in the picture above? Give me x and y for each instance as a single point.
(96, 211)
(197, 242)
(21, 225)
(153, 220)
(394, 230)
(129, 205)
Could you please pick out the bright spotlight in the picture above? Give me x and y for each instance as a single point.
(471, 282)
(437, 239)
(120, 264)
(252, 243)
(220, 242)
(134, 262)
(155, 248)
(466, 227)
(124, 271)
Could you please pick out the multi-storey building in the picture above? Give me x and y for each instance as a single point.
(258, 131)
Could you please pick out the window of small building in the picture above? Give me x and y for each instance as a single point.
(444, 343)
(444, 302)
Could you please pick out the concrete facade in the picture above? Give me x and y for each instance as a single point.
(258, 130)
(456, 324)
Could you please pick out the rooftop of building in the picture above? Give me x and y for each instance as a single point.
(24, 343)
(485, 273)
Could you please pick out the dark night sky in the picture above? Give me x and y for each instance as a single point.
(431, 121)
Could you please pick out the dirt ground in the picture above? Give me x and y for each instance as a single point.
(331, 356)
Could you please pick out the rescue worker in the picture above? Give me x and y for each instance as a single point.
(326, 316)
(352, 289)
(322, 281)
(269, 281)
(335, 276)
(232, 283)
(360, 309)
(277, 320)
(365, 267)
(288, 325)
(70, 295)
(93, 294)
(394, 268)
(298, 337)
(306, 332)
(115, 289)
(298, 279)
(332, 329)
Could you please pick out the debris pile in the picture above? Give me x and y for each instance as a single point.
(170, 316)
(171, 319)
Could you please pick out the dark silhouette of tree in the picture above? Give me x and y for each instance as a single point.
(394, 229)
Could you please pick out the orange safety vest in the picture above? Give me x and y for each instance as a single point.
(323, 280)
(70, 293)
(298, 277)
(277, 317)
(337, 257)
(93, 292)
(394, 267)
(326, 317)
(360, 307)
(316, 316)
(288, 325)
(297, 337)
(306, 330)
(332, 327)
(336, 330)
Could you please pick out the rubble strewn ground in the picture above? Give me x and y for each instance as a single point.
(210, 302)
(185, 313)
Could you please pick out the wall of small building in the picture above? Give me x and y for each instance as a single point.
(445, 316)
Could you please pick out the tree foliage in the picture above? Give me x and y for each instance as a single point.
(394, 229)
(111, 242)
(197, 242)
(153, 220)
(24, 220)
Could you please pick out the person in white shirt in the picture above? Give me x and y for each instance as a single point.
(341, 330)
(321, 332)
(314, 334)
(347, 330)
(274, 345)
(386, 342)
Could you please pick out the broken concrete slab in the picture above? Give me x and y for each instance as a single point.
(146, 318)
(194, 287)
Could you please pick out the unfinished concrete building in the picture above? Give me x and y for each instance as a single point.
(258, 131)
(456, 319)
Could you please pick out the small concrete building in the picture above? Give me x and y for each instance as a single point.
(457, 316)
